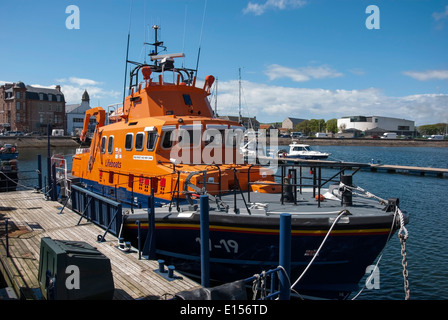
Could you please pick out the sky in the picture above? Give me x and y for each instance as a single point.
(309, 59)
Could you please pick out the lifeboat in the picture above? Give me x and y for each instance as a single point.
(164, 143)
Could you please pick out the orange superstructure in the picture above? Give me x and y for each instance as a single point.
(164, 138)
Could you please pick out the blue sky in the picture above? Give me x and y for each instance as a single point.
(298, 58)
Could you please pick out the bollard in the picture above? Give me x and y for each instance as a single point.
(170, 272)
(205, 251)
(285, 256)
(161, 265)
(347, 194)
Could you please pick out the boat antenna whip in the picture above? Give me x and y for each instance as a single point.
(127, 54)
(200, 38)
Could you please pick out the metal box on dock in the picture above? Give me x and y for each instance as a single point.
(73, 270)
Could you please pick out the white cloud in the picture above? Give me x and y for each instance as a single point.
(79, 81)
(303, 74)
(440, 15)
(73, 89)
(428, 75)
(260, 8)
(275, 103)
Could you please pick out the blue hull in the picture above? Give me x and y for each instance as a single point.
(242, 246)
(237, 255)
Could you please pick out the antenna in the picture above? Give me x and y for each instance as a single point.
(200, 39)
(185, 28)
(216, 98)
(239, 95)
(127, 54)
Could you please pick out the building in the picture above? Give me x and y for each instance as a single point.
(376, 124)
(290, 123)
(248, 123)
(75, 115)
(31, 109)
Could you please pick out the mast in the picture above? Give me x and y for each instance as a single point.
(156, 43)
(239, 96)
(216, 98)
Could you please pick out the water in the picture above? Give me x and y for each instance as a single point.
(424, 198)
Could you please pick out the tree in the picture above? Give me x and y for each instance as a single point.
(317, 125)
(304, 127)
(332, 125)
(430, 129)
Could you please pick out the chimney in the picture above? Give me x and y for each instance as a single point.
(58, 87)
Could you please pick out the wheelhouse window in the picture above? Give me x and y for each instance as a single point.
(103, 144)
(166, 140)
(110, 145)
(187, 99)
(190, 135)
(139, 141)
(151, 140)
(128, 141)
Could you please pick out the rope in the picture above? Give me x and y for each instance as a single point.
(366, 194)
(340, 214)
(16, 182)
(259, 283)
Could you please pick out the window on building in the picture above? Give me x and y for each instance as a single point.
(18, 117)
(41, 96)
(58, 98)
(50, 107)
(18, 105)
(50, 97)
(128, 141)
(110, 145)
(18, 95)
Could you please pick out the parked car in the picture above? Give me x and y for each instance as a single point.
(436, 137)
(16, 133)
(389, 135)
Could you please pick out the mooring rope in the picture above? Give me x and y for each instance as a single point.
(340, 214)
(16, 182)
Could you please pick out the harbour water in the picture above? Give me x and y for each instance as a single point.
(424, 198)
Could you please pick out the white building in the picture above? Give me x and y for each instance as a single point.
(377, 124)
(75, 115)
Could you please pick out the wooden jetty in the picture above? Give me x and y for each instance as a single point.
(373, 167)
(423, 171)
(31, 218)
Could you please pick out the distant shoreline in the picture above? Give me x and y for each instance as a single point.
(41, 142)
(367, 142)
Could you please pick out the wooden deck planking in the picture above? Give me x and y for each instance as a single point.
(37, 218)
